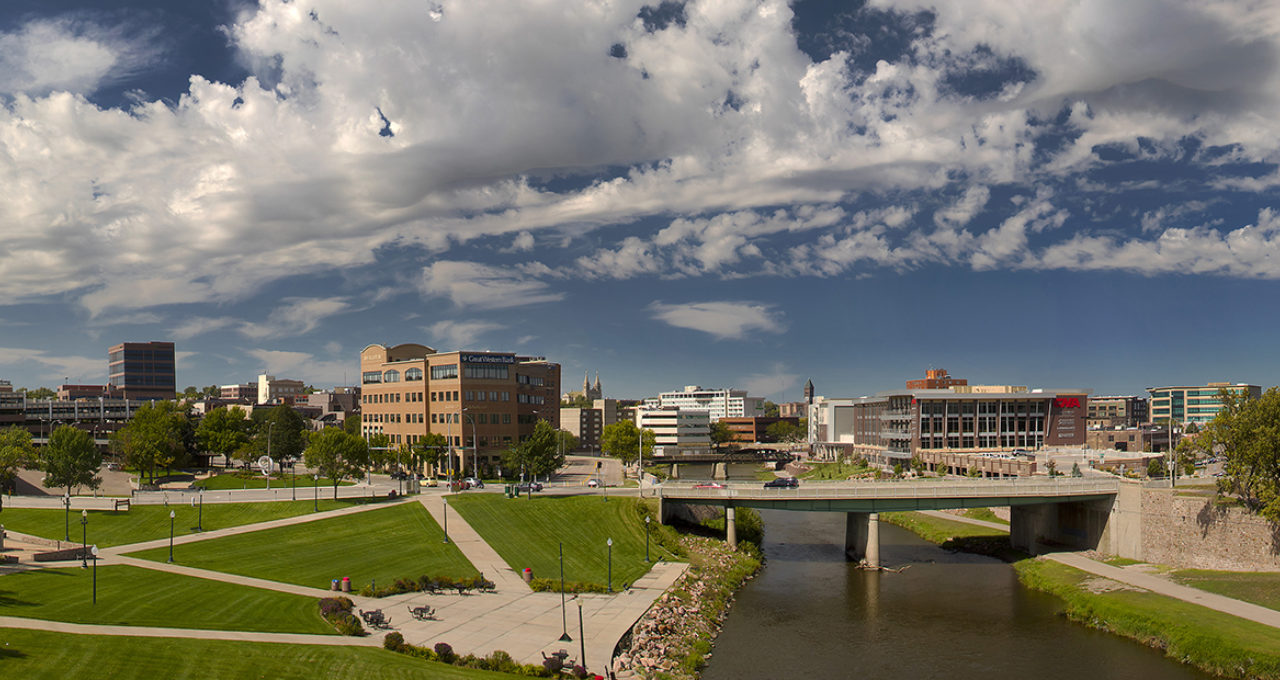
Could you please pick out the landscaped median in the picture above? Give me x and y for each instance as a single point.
(1219, 643)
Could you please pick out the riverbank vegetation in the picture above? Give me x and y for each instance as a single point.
(1225, 645)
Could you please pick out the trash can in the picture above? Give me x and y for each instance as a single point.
(527, 575)
(346, 584)
(334, 585)
(509, 490)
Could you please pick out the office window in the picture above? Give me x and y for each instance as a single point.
(444, 371)
(391, 376)
(413, 374)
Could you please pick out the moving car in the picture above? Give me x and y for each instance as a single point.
(593, 483)
(473, 483)
(524, 487)
(708, 485)
(782, 483)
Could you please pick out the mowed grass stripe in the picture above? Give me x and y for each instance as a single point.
(40, 655)
(527, 532)
(108, 528)
(234, 482)
(132, 596)
(394, 542)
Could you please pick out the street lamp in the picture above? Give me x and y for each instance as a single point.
(582, 638)
(315, 492)
(294, 474)
(608, 542)
(646, 538)
(171, 516)
(95, 574)
(84, 538)
(475, 444)
(564, 626)
(199, 509)
(66, 516)
(268, 470)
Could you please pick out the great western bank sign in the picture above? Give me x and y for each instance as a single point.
(488, 358)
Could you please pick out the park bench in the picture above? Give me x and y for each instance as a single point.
(423, 613)
(375, 618)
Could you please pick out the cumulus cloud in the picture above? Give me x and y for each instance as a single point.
(476, 285)
(774, 383)
(723, 320)
(298, 316)
(70, 53)
(304, 366)
(55, 367)
(460, 334)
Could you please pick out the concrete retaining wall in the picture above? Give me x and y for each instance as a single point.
(1191, 532)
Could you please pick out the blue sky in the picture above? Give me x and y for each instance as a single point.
(729, 193)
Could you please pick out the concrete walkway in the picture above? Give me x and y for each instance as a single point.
(474, 548)
(1147, 581)
(189, 633)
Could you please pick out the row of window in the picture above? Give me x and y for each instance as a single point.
(487, 372)
(529, 380)
(531, 399)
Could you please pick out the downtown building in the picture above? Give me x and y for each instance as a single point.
(676, 431)
(1194, 404)
(718, 403)
(142, 371)
(481, 402)
(990, 429)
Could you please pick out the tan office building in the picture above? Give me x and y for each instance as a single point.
(482, 402)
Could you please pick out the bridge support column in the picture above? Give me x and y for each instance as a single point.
(731, 527)
(862, 537)
(675, 471)
(720, 471)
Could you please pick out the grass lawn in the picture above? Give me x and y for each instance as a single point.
(131, 596)
(526, 533)
(1116, 561)
(394, 542)
(233, 482)
(147, 522)
(985, 514)
(1216, 642)
(37, 655)
(1260, 588)
(936, 529)
(834, 471)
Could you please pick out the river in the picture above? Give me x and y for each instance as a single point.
(811, 614)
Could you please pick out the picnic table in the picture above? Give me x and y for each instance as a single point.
(423, 613)
(375, 618)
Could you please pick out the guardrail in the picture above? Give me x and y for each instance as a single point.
(896, 489)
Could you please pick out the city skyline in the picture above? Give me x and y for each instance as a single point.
(735, 194)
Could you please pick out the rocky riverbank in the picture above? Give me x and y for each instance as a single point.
(673, 639)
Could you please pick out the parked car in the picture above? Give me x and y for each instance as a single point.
(708, 485)
(782, 483)
(524, 487)
(473, 483)
(432, 482)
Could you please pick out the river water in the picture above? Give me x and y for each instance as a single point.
(810, 614)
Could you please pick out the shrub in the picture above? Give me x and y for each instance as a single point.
(393, 642)
(553, 664)
(579, 672)
(445, 652)
(337, 611)
(552, 585)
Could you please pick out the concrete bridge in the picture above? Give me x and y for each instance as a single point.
(1074, 512)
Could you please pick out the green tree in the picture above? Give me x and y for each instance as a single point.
(352, 424)
(1191, 428)
(770, 409)
(566, 441)
(538, 455)
(429, 449)
(154, 438)
(720, 434)
(192, 392)
(336, 455)
(622, 441)
(40, 394)
(70, 459)
(578, 401)
(1246, 433)
(784, 431)
(917, 465)
(1155, 468)
(1052, 468)
(279, 432)
(224, 431)
(16, 452)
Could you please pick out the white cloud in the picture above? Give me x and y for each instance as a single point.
(724, 320)
(476, 285)
(298, 316)
(69, 53)
(200, 325)
(775, 383)
(306, 367)
(460, 334)
(55, 368)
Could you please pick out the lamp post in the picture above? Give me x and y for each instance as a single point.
(267, 472)
(294, 474)
(445, 502)
(66, 516)
(582, 637)
(646, 538)
(475, 444)
(608, 542)
(171, 516)
(564, 626)
(315, 492)
(200, 511)
(95, 574)
(84, 538)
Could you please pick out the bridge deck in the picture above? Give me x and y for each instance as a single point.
(892, 496)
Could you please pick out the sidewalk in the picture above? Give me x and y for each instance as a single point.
(1146, 581)
(474, 548)
(189, 633)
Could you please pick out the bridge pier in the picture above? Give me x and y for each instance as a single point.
(1080, 525)
(731, 527)
(720, 471)
(862, 537)
(675, 471)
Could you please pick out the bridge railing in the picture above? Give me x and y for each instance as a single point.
(1058, 486)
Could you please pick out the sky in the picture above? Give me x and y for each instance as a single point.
(728, 193)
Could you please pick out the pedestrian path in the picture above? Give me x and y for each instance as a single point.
(473, 547)
(1147, 581)
(187, 633)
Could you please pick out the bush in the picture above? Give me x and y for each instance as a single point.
(444, 652)
(552, 585)
(579, 672)
(393, 642)
(337, 611)
(553, 664)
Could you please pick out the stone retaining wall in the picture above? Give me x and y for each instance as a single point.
(1191, 532)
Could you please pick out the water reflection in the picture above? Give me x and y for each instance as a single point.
(953, 616)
